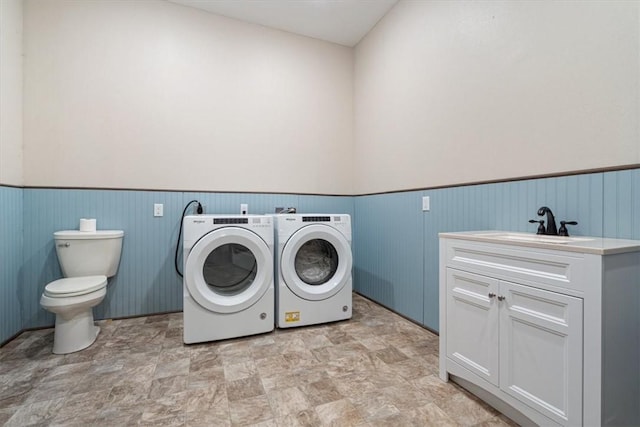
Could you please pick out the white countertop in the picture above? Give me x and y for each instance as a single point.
(581, 244)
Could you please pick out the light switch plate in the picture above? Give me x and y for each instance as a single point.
(426, 204)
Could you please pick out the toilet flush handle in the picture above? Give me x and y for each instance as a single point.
(64, 245)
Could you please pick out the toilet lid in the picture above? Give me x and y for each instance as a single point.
(75, 286)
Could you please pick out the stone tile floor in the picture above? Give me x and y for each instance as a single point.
(376, 369)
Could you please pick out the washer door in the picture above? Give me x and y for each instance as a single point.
(228, 270)
(316, 262)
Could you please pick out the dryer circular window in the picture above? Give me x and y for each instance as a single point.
(228, 270)
(316, 262)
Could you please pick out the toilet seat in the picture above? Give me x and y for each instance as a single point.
(75, 286)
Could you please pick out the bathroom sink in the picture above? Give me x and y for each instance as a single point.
(579, 244)
(534, 238)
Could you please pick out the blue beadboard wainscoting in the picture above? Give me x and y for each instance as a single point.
(146, 281)
(11, 217)
(396, 244)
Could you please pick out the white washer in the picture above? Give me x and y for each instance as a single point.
(228, 276)
(313, 269)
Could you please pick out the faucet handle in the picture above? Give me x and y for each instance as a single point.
(541, 229)
(563, 227)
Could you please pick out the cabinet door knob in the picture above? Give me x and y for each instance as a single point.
(491, 295)
(501, 298)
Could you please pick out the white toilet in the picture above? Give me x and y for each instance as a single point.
(87, 259)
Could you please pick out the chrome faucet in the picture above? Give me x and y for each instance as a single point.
(551, 228)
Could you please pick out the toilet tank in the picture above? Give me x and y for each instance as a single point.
(82, 253)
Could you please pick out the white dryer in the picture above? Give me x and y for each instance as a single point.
(313, 269)
(228, 276)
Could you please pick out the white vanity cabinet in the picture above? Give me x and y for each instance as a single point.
(549, 333)
(523, 340)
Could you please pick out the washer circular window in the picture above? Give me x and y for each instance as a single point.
(230, 282)
(230, 269)
(317, 272)
(316, 262)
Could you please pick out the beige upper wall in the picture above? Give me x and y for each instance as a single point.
(452, 92)
(150, 94)
(11, 92)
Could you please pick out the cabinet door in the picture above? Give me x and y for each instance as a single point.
(541, 351)
(472, 323)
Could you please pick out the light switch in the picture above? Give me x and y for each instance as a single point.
(426, 205)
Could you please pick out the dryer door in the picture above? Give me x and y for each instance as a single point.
(228, 270)
(316, 262)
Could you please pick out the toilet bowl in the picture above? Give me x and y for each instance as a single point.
(87, 260)
(72, 300)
